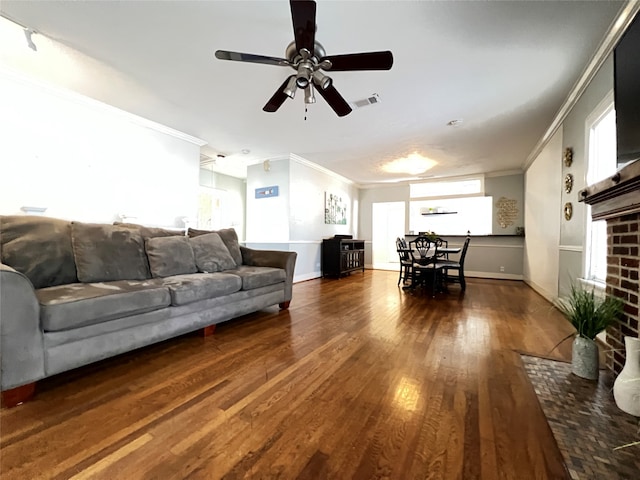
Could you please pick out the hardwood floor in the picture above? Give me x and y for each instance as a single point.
(358, 379)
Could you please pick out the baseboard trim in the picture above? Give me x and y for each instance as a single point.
(306, 276)
(498, 276)
(543, 292)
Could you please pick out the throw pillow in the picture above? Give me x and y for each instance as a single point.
(39, 248)
(211, 253)
(228, 236)
(108, 252)
(170, 256)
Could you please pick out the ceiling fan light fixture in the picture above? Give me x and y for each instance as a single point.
(321, 80)
(309, 97)
(413, 164)
(290, 89)
(303, 78)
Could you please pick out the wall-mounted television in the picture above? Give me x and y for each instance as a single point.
(627, 94)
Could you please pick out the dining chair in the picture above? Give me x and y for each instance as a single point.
(424, 253)
(456, 265)
(406, 263)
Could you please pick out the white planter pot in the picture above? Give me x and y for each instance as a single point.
(626, 388)
(584, 358)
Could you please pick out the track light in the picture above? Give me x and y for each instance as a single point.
(321, 80)
(308, 94)
(290, 89)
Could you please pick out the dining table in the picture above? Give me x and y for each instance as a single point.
(425, 258)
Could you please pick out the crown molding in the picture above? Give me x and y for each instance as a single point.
(302, 161)
(608, 43)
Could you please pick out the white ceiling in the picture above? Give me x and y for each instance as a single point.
(504, 68)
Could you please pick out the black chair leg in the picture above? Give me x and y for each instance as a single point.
(463, 283)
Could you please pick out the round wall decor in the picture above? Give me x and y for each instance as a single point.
(568, 156)
(568, 211)
(568, 183)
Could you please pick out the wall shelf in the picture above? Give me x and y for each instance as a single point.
(438, 213)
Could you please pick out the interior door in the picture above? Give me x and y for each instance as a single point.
(388, 224)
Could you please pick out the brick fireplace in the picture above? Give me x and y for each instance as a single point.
(622, 282)
(617, 200)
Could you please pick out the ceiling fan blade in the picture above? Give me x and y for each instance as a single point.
(335, 100)
(303, 15)
(278, 98)
(250, 57)
(360, 61)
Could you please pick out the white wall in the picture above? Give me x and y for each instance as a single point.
(268, 218)
(542, 219)
(295, 219)
(84, 160)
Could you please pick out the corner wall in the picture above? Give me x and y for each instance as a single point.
(542, 219)
(294, 220)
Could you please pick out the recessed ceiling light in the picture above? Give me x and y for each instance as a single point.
(455, 123)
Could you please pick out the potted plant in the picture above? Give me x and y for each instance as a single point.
(589, 315)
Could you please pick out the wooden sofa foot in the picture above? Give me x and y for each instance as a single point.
(16, 396)
(208, 331)
(284, 305)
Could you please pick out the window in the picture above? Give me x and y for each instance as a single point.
(446, 188)
(472, 214)
(451, 207)
(601, 126)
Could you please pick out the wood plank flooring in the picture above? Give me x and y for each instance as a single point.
(357, 380)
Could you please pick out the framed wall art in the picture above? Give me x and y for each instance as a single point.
(335, 209)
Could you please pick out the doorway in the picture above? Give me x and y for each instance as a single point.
(388, 223)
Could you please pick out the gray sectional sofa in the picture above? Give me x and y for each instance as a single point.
(72, 293)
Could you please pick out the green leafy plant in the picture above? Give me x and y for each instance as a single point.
(589, 314)
(432, 236)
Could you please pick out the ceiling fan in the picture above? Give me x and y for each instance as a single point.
(308, 58)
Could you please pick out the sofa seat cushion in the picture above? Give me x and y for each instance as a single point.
(255, 277)
(201, 286)
(75, 305)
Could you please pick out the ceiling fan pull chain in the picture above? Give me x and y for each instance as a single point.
(305, 113)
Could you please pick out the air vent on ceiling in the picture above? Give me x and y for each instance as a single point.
(374, 98)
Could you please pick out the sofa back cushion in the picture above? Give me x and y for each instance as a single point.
(105, 253)
(212, 255)
(151, 232)
(170, 256)
(228, 236)
(39, 248)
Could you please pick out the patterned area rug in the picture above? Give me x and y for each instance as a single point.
(585, 421)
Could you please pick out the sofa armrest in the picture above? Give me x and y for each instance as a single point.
(275, 259)
(21, 337)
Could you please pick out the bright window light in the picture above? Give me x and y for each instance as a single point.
(447, 188)
(473, 215)
(601, 164)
